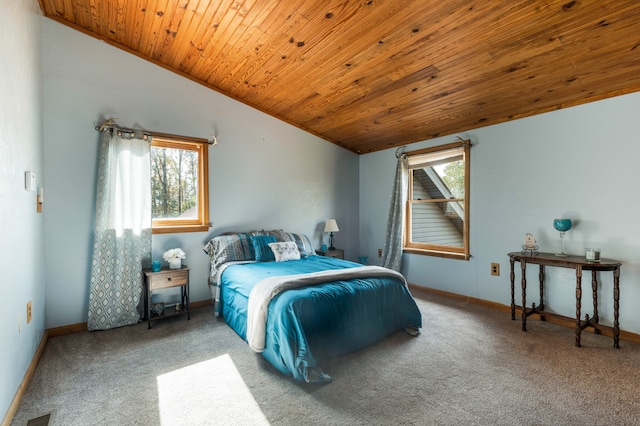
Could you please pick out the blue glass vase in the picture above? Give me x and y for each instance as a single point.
(562, 226)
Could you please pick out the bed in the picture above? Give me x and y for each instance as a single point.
(297, 308)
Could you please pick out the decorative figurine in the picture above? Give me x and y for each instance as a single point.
(530, 246)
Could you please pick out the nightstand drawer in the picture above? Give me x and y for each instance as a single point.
(168, 279)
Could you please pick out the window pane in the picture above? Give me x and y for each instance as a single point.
(444, 181)
(438, 223)
(174, 183)
(452, 174)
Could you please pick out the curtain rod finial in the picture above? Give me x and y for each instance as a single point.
(466, 142)
(213, 140)
(106, 123)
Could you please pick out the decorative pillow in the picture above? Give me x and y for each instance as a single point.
(285, 251)
(304, 244)
(280, 235)
(261, 247)
(229, 248)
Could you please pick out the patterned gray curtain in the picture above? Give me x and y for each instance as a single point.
(122, 239)
(392, 258)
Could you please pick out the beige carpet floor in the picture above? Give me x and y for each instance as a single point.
(470, 366)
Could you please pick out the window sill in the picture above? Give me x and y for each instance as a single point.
(179, 229)
(435, 253)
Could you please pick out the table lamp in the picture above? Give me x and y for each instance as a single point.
(331, 226)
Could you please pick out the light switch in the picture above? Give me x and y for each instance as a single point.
(29, 181)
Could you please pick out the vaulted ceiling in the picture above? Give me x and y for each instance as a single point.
(373, 74)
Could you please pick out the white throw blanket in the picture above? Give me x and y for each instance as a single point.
(268, 288)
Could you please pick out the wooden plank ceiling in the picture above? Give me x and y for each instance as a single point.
(373, 74)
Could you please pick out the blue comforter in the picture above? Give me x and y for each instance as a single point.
(307, 325)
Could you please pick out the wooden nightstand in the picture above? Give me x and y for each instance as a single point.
(166, 278)
(337, 253)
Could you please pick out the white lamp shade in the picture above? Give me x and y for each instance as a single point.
(331, 226)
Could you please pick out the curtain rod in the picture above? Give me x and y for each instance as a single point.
(110, 123)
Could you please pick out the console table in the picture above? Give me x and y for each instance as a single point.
(579, 263)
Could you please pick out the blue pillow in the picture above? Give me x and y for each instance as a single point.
(262, 249)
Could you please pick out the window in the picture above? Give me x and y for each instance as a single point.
(179, 185)
(437, 214)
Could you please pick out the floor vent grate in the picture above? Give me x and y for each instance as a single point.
(40, 421)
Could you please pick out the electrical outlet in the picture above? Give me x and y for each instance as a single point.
(495, 269)
(28, 311)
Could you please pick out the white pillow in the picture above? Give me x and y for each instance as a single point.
(285, 251)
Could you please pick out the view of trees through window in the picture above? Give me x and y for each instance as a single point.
(174, 183)
(453, 177)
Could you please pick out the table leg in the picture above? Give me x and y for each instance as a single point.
(594, 291)
(513, 302)
(148, 304)
(523, 267)
(578, 302)
(187, 302)
(541, 277)
(616, 307)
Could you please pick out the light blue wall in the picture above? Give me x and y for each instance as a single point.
(264, 174)
(22, 228)
(579, 162)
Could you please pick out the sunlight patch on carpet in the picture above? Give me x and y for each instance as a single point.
(209, 392)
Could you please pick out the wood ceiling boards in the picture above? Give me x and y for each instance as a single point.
(374, 74)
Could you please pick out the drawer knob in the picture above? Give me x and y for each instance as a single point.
(169, 279)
